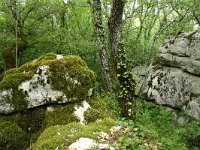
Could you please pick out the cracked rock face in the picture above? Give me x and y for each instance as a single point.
(173, 79)
(50, 79)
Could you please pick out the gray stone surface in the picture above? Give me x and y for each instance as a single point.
(50, 79)
(173, 79)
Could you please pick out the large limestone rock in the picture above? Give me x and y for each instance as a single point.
(50, 79)
(49, 91)
(173, 79)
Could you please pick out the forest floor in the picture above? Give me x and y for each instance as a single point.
(156, 127)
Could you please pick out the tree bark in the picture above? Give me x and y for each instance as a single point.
(125, 77)
(100, 35)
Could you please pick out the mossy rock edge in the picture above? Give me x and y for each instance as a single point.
(49, 79)
(61, 136)
(34, 121)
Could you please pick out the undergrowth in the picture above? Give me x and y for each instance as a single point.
(155, 128)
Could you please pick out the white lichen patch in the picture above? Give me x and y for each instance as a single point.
(82, 144)
(50, 109)
(39, 91)
(86, 144)
(79, 111)
(59, 56)
(90, 91)
(71, 80)
(5, 99)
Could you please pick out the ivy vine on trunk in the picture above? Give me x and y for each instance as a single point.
(125, 77)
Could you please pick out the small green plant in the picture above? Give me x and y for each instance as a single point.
(112, 103)
(154, 128)
(134, 137)
(170, 135)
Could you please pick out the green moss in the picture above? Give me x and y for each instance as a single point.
(63, 116)
(60, 115)
(8, 55)
(98, 110)
(49, 56)
(70, 75)
(73, 65)
(7, 118)
(13, 80)
(66, 115)
(12, 136)
(34, 121)
(63, 135)
(72, 69)
(30, 121)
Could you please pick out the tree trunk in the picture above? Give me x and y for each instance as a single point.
(10, 54)
(125, 77)
(100, 35)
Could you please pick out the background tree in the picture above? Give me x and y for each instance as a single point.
(144, 26)
(10, 54)
(125, 77)
(103, 54)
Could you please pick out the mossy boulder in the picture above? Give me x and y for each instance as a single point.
(50, 79)
(51, 90)
(34, 121)
(61, 136)
(12, 136)
(82, 112)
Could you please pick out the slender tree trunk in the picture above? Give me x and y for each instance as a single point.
(11, 54)
(100, 35)
(53, 17)
(125, 77)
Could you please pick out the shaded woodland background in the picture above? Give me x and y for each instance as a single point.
(67, 27)
(111, 36)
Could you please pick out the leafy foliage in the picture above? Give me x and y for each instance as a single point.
(155, 126)
(66, 28)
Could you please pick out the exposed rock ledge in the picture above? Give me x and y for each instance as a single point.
(173, 79)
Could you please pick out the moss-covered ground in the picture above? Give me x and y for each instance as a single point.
(34, 121)
(153, 129)
(62, 136)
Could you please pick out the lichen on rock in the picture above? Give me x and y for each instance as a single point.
(80, 110)
(173, 77)
(49, 91)
(84, 112)
(48, 79)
